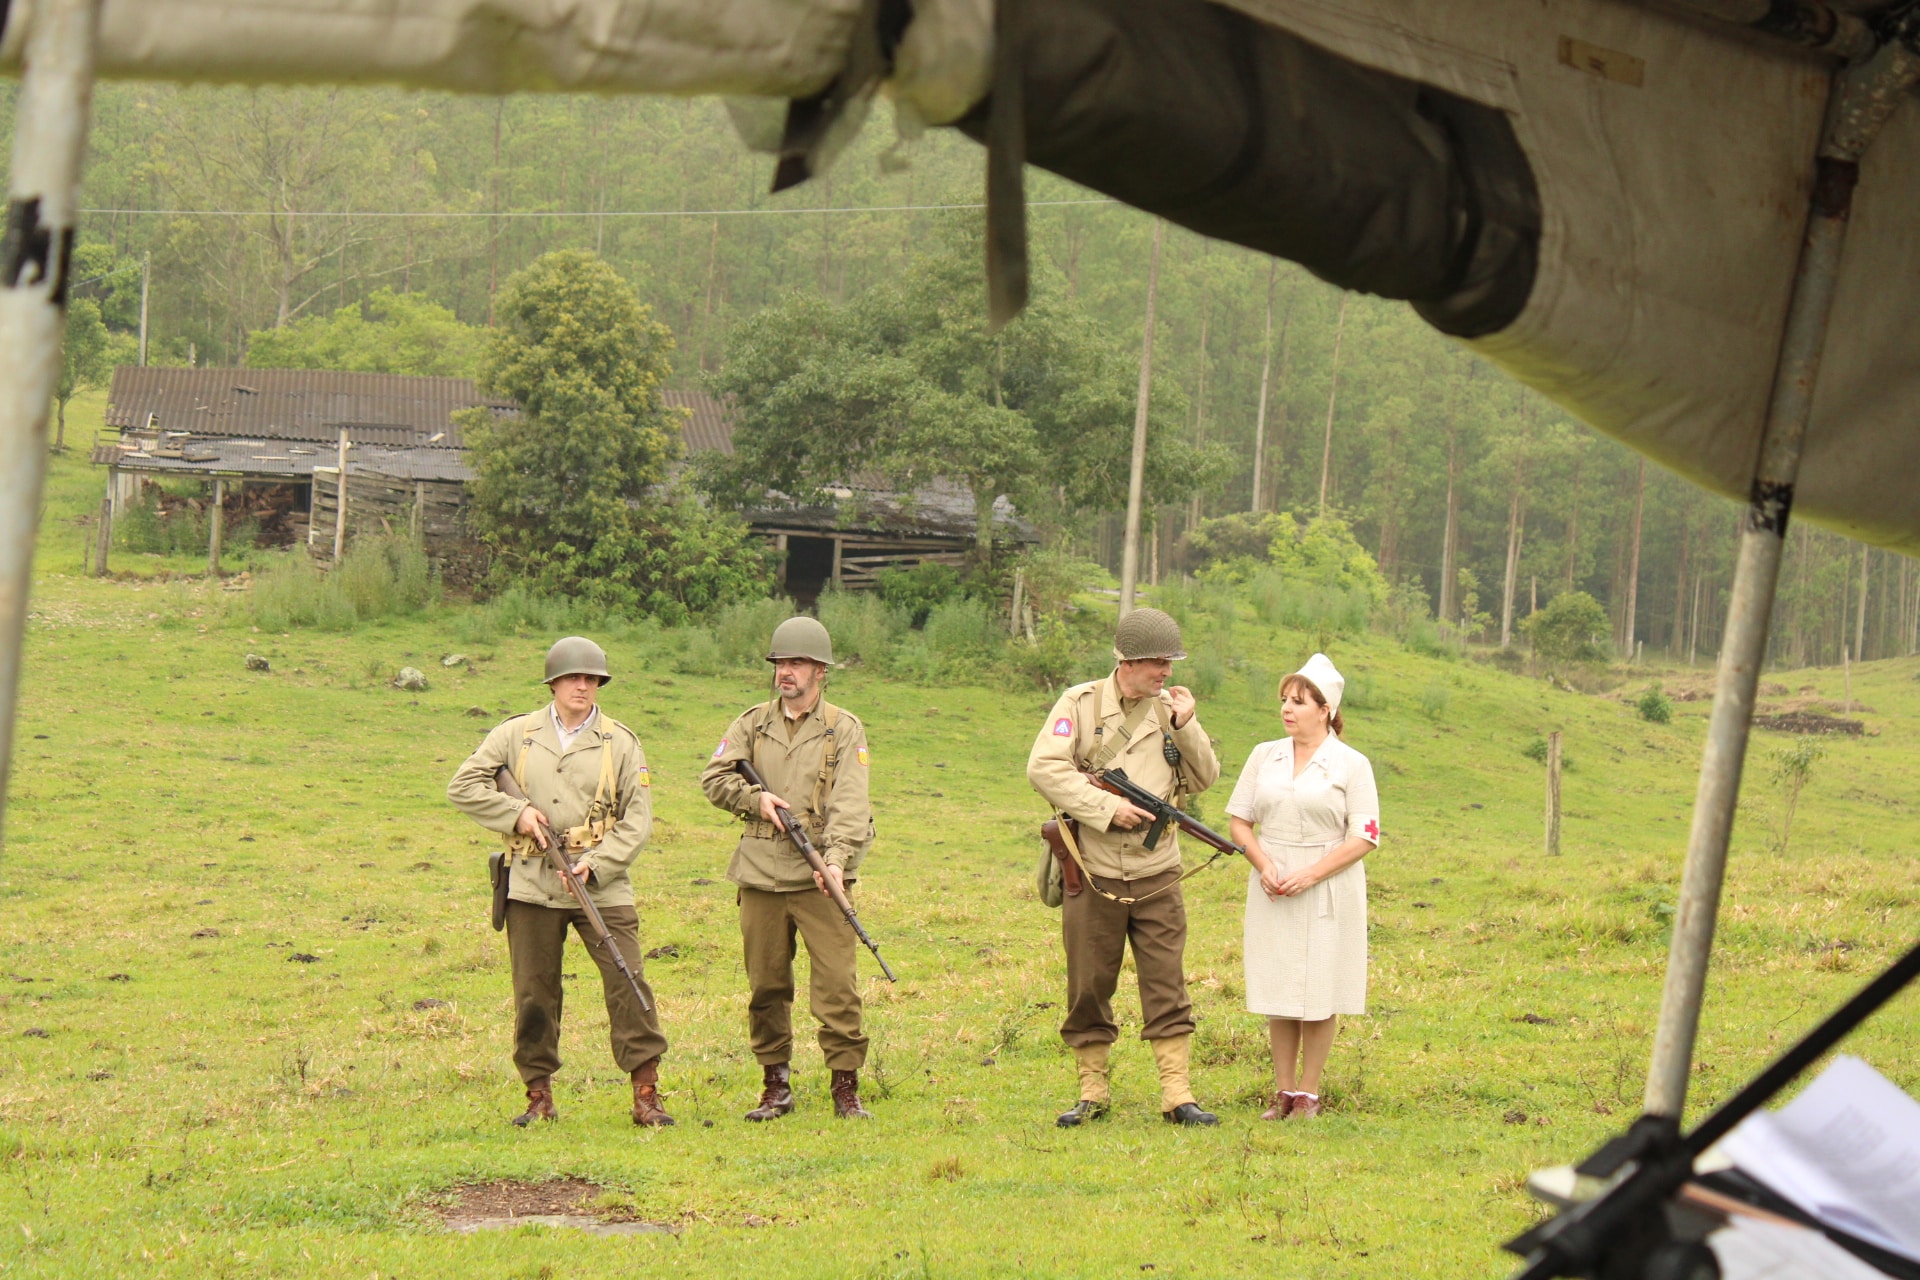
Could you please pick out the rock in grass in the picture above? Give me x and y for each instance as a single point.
(453, 659)
(479, 713)
(301, 957)
(412, 679)
(257, 663)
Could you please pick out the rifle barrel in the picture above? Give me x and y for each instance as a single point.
(804, 843)
(557, 858)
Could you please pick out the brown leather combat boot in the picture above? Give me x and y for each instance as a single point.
(846, 1097)
(776, 1093)
(646, 1097)
(539, 1102)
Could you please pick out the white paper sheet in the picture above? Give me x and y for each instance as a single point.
(1751, 1249)
(1847, 1151)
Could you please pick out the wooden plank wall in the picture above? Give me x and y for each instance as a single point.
(380, 505)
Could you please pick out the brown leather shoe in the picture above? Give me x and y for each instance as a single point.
(1305, 1106)
(846, 1097)
(776, 1093)
(539, 1102)
(1283, 1101)
(646, 1097)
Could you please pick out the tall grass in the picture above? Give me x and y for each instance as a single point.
(376, 578)
(864, 627)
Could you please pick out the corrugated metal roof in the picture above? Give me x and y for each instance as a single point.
(279, 459)
(706, 428)
(308, 405)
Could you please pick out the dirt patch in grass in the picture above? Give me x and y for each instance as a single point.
(558, 1202)
(1809, 722)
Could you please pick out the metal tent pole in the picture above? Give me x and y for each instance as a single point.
(50, 136)
(1864, 95)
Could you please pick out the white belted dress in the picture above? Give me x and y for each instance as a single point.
(1306, 955)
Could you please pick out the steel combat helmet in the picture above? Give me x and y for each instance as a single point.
(1147, 633)
(801, 637)
(576, 656)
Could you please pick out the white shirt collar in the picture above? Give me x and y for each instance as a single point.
(560, 730)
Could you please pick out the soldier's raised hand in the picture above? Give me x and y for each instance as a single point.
(1180, 702)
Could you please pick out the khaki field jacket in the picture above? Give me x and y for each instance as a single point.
(841, 825)
(562, 787)
(1076, 730)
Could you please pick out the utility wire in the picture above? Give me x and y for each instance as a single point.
(575, 213)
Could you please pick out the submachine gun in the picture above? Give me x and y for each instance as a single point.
(1623, 1232)
(798, 834)
(1164, 814)
(557, 859)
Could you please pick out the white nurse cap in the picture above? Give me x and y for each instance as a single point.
(1326, 678)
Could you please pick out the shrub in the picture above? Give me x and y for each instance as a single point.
(1053, 578)
(1304, 606)
(1536, 751)
(1655, 707)
(864, 627)
(1207, 673)
(962, 630)
(143, 527)
(919, 589)
(742, 631)
(1573, 628)
(1434, 700)
(376, 578)
(1510, 660)
(1363, 695)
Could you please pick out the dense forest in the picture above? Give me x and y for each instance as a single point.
(262, 208)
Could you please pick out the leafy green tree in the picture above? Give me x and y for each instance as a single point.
(1320, 552)
(1792, 767)
(565, 493)
(388, 333)
(1573, 628)
(84, 360)
(906, 383)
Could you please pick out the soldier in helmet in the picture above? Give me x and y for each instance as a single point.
(584, 774)
(813, 757)
(1129, 894)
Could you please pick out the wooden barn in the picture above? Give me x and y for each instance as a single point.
(272, 445)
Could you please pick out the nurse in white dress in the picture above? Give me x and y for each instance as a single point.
(1307, 811)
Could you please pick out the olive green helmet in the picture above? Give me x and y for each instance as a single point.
(801, 637)
(1147, 633)
(576, 656)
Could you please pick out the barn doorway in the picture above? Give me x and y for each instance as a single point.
(809, 568)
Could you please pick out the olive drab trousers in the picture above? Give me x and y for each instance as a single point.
(769, 923)
(1097, 933)
(537, 945)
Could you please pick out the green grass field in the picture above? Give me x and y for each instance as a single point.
(179, 1096)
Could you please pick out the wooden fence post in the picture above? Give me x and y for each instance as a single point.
(1019, 599)
(216, 522)
(105, 535)
(1553, 793)
(340, 505)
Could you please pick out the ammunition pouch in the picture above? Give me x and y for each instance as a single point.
(500, 875)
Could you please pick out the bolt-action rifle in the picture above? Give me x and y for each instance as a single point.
(797, 832)
(557, 859)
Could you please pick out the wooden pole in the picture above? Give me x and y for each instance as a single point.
(104, 534)
(340, 504)
(1136, 472)
(1553, 794)
(1333, 390)
(1633, 569)
(838, 546)
(1019, 599)
(418, 528)
(216, 522)
(1260, 415)
(1860, 615)
(146, 276)
(1846, 674)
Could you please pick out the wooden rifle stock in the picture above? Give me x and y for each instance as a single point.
(797, 833)
(557, 859)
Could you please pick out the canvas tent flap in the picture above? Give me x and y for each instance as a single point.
(779, 48)
(1670, 160)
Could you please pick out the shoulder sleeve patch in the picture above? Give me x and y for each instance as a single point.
(646, 776)
(1063, 727)
(861, 753)
(720, 750)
